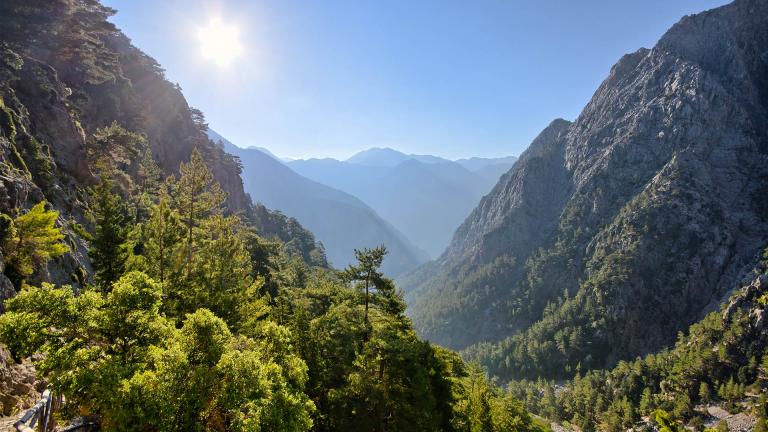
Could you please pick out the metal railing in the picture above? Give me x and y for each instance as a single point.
(38, 418)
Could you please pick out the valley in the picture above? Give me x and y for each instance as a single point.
(160, 277)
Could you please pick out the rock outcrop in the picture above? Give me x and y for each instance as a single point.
(65, 73)
(613, 233)
(18, 388)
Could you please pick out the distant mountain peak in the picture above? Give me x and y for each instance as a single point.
(381, 156)
(217, 138)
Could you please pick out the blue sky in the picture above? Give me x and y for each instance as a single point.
(450, 78)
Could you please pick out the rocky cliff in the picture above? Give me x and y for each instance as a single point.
(616, 231)
(65, 73)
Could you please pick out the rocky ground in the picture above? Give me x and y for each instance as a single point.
(740, 422)
(18, 389)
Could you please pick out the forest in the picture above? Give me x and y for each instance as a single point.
(195, 322)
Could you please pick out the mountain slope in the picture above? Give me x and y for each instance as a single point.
(424, 198)
(721, 355)
(611, 234)
(65, 74)
(340, 221)
(476, 164)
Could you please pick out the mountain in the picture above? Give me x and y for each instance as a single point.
(387, 157)
(424, 197)
(616, 231)
(340, 221)
(712, 373)
(261, 149)
(490, 169)
(66, 76)
(476, 164)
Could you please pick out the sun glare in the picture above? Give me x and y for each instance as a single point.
(220, 42)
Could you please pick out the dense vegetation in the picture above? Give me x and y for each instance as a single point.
(721, 359)
(195, 322)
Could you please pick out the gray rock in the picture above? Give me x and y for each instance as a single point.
(655, 194)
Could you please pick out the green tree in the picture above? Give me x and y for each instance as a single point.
(196, 196)
(666, 423)
(148, 184)
(91, 342)
(705, 394)
(30, 240)
(207, 379)
(646, 401)
(115, 149)
(367, 271)
(478, 402)
(225, 266)
(683, 408)
(508, 414)
(760, 424)
(107, 249)
(162, 240)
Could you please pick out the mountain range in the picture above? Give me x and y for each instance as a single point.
(616, 231)
(425, 197)
(340, 221)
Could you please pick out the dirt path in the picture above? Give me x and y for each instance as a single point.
(6, 424)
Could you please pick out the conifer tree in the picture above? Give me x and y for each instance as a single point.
(107, 248)
(196, 196)
(147, 185)
(29, 241)
(225, 266)
(162, 237)
(705, 395)
(367, 270)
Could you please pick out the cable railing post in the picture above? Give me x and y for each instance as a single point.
(39, 415)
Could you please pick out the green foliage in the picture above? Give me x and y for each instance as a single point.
(242, 335)
(705, 394)
(114, 147)
(666, 423)
(719, 352)
(206, 379)
(161, 243)
(30, 241)
(107, 247)
(195, 197)
(722, 426)
(91, 342)
(367, 273)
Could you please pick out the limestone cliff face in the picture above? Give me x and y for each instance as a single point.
(616, 231)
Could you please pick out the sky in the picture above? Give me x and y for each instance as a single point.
(444, 77)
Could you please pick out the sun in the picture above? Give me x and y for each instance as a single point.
(220, 42)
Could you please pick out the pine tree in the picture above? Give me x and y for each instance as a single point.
(722, 426)
(29, 241)
(666, 423)
(225, 266)
(107, 248)
(162, 237)
(114, 147)
(147, 185)
(196, 196)
(646, 401)
(705, 395)
(367, 270)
